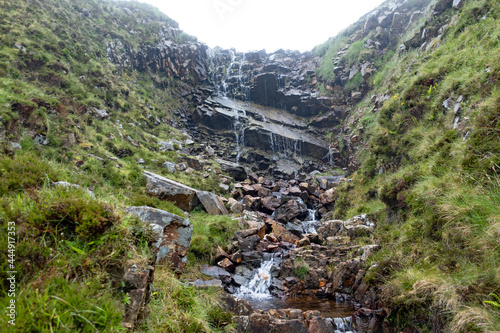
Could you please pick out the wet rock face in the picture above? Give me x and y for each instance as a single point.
(261, 131)
(173, 235)
(264, 89)
(283, 79)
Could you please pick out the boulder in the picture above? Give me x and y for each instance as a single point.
(227, 265)
(289, 326)
(170, 166)
(249, 243)
(216, 272)
(252, 203)
(212, 203)
(320, 325)
(236, 305)
(264, 89)
(344, 276)
(173, 235)
(290, 210)
(327, 197)
(367, 70)
(283, 234)
(330, 229)
(367, 320)
(181, 195)
(235, 206)
(233, 169)
(269, 204)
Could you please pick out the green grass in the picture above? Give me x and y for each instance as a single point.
(209, 232)
(436, 201)
(300, 268)
(190, 310)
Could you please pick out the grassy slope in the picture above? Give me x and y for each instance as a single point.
(437, 200)
(68, 274)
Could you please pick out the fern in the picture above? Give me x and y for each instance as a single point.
(496, 302)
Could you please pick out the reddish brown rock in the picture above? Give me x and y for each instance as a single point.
(264, 192)
(327, 197)
(290, 210)
(138, 285)
(284, 234)
(227, 265)
(344, 276)
(367, 320)
(237, 257)
(252, 203)
(294, 190)
(235, 206)
(320, 325)
(249, 190)
(270, 204)
(220, 254)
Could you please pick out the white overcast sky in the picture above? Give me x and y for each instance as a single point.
(264, 24)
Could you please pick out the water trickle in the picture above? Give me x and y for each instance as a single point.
(330, 154)
(258, 287)
(310, 225)
(284, 147)
(222, 89)
(343, 325)
(242, 86)
(239, 133)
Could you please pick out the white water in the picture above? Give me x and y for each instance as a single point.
(258, 287)
(222, 89)
(343, 325)
(309, 226)
(283, 147)
(239, 133)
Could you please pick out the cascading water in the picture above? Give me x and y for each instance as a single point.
(222, 89)
(309, 226)
(343, 325)
(241, 84)
(283, 147)
(258, 287)
(239, 133)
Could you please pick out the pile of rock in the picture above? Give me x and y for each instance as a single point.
(286, 201)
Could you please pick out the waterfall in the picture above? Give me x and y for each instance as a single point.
(343, 325)
(309, 226)
(258, 287)
(239, 133)
(222, 89)
(241, 84)
(330, 154)
(283, 147)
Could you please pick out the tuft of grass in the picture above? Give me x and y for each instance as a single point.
(300, 268)
(190, 310)
(209, 232)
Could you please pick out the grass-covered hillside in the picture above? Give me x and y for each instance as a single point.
(428, 169)
(422, 143)
(69, 114)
